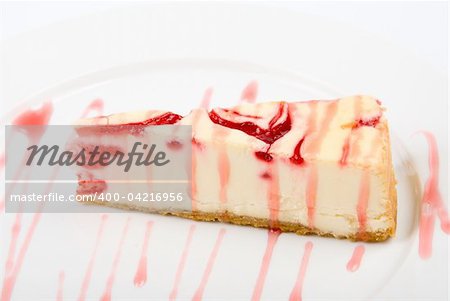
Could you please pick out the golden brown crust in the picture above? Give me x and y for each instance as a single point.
(391, 206)
(258, 223)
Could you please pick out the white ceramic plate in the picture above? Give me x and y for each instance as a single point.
(144, 76)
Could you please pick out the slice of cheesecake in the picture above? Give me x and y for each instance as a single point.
(317, 167)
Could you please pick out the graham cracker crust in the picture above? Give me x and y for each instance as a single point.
(227, 217)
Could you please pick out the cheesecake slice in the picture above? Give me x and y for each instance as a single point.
(316, 167)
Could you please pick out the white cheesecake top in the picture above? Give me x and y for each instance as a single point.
(348, 130)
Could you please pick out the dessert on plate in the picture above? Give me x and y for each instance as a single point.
(316, 167)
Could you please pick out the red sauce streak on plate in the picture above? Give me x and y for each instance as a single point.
(212, 258)
(112, 276)
(296, 294)
(271, 241)
(59, 293)
(39, 117)
(15, 231)
(97, 105)
(181, 264)
(206, 100)
(250, 92)
(10, 279)
(2, 161)
(432, 203)
(355, 261)
(90, 267)
(140, 278)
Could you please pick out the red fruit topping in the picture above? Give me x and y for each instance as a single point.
(373, 122)
(269, 135)
(134, 128)
(265, 156)
(166, 118)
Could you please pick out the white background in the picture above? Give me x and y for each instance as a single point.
(422, 29)
(418, 28)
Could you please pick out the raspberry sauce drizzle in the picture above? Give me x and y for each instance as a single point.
(196, 146)
(39, 117)
(271, 241)
(297, 156)
(355, 261)
(273, 198)
(112, 276)
(181, 264)
(212, 258)
(97, 106)
(134, 128)
(10, 280)
(90, 266)
(357, 123)
(224, 174)
(59, 293)
(2, 161)
(311, 193)
(346, 146)
(297, 159)
(206, 100)
(296, 294)
(250, 92)
(140, 278)
(315, 145)
(269, 136)
(363, 200)
(432, 204)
